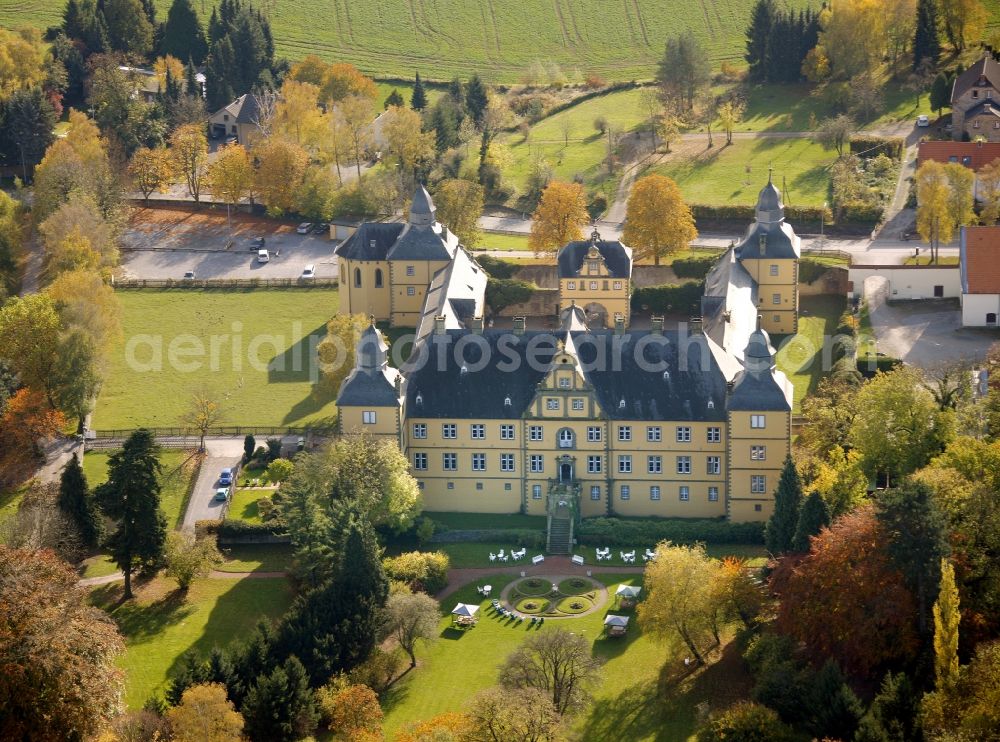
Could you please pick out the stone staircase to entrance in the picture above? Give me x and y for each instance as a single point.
(560, 536)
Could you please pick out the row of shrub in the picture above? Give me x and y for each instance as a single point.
(747, 213)
(696, 267)
(811, 269)
(869, 145)
(626, 532)
(421, 570)
(676, 298)
(844, 351)
(530, 538)
(234, 528)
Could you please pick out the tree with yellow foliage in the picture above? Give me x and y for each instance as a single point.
(281, 167)
(204, 412)
(230, 176)
(963, 21)
(961, 181)
(168, 65)
(150, 169)
(459, 205)
(86, 302)
(23, 60)
(297, 115)
(406, 142)
(343, 79)
(354, 114)
(989, 193)
(310, 69)
(935, 221)
(731, 113)
(657, 221)
(559, 217)
(853, 36)
(946, 618)
(349, 710)
(205, 714)
(447, 726)
(189, 148)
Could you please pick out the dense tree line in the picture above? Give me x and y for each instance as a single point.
(778, 40)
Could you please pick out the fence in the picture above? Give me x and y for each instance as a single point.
(98, 440)
(227, 283)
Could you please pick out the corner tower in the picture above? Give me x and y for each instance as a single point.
(370, 399)
(770, 253)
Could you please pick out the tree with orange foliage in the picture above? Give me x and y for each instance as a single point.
(27, 419)
(845, 599)
(558, 220)
(739, 594)
(350, 710)
(343, 79)
(450, 725)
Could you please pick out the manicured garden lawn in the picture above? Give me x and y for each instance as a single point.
(243, 505)
(734, 174)
(511, 242)
(256, 558)
(179, 470)
(477, 521)
(263, 341)
(801, 356)
(161, 624)
(99, 565)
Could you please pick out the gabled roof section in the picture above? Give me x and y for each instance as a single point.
(980, 260)
(573, 318)
(976, 155)
(616, 256)
(985, 72)
(244, 110)
(371, 241)
(456, 293)
(761, 386)
(770, 236)
(424, 242)
(986, 108)
(729, 305)
(372, 383)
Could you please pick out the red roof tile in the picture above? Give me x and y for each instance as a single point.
(980, 154)
(982, 260)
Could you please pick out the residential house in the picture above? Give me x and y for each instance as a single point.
(975, 101)
(238, 119)
(973, 155)
(979, 261)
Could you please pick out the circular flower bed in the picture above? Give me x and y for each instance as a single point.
(532, 606)
(576, 586)
(534, 586)
(575, 605)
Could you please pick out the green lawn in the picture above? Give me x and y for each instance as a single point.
(250, 348)
(243, 505)
(801, 356)
(734, 174)
(511, 242)
(161, 624)
(498, 39)
(10, 501)
(179, 471)
(628, 703)
(256, 558)
(406, 90)
(476, 521)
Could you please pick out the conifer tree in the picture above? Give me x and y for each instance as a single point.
(836, 711)
(926, 38)
(757, 37)
(780, 530)
(940, 92)
(418, 100)
(476, 99)
(814, 516)
(76, 502)
(191, 86)
(183, 36)
(393, 99)
(280, 707)
(131, 498)
(946, 619)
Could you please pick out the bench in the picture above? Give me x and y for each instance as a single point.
(537, 559)
(577, 560)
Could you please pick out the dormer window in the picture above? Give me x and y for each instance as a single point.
(621, 404)
(593, 267)
(975, 93)
(419, 399)
(711, 404)
(464, 370)
(506, 402)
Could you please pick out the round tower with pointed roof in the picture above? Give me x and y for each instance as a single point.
(422, 209)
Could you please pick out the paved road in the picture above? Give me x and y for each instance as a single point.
(221, 453)
(288, 258)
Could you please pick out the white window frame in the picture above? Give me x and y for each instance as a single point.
(654, 464)
(449, 458)
(617, 285)
(536, 492)
(714, 434)
(684, 493)
(420, 461)
(506, 432)
(758, 422)
(683, 464)
(535, 433)
(368, 417)
(420, 430)
(571, 285)
(625, 464)
(577, 405)
(566, 438)
(507, 462)
(595, 492)
(536, 463)
(625, 433)
(758, 484)
(713, 494)
(411, 291)
(776, 299)
(626, 492)
(758, 453)
(478, 432)
(713, 464)
(479, 462)
(654, 492)
(565, 382)
(411, 270)
(683, 434)
(773, 269)
(654, 434)
(595, 464)
(594, 434)
(551, 403)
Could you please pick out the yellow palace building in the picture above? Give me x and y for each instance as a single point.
(685, 421)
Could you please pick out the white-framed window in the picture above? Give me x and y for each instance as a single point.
(536, 492)
(571, 285)
(654, 434)
(535, 432)
(368, 417)
(684, 493)
(411, 271)
(578, 405)
(419, 430)
(551, 403)
(506, 432)
(479, 462)
(537, 463)
(411, 291)
(564, 382)
(654, 464)
(506, 462)
(420, 461)
(683, 433)
(626, 492)
(758, 484)
(773, 269)
(449, 461)
(714, 465)
(618, 285)
(595, 492)
(595, 464)
(625, 464)
(565, 438)
(625, 432)
(776, 298)
(713, 494)
(758, 453)
(449, 430)
(683, 464)
(594, 433)
(478, 431)
(593, 285)
(757, 421)
(654, 492)
(714, 435)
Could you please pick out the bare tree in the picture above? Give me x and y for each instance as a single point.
(409, 617)
(514, 715)
(267, 106)
(557, 662)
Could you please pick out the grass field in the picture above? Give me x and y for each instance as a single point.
(801, 355)
(243, 505)
(251, 349)
(508, 242)
(498, 39)
(628, 703)
(256, 558)
(162, 624)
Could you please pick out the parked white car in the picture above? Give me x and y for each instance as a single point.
(262, 256)
(309, 272)
(304, 228)
(923, 121)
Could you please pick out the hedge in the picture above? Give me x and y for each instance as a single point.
(860, 212)
(696, 268)
(882, 363)
(811, 269)
(421, 570)
(233, 528)
(869, 145)
(685, 297)
(747, 213)
(648, 532)
(519, 536)
(497, 267)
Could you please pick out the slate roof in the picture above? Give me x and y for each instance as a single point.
(760, 386)
(986, 108)
(456, 293)
(515, 365)
(617, 257)
(986, 67)
(980, 260)
(371, 241)
(729, 304)
(770, 236)
(372, 382)
(244, 110)
(424, 242)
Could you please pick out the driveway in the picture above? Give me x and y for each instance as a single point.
(288, 258)
(221, 453)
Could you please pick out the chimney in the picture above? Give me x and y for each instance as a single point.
(439, 327)
(694, 326)
(476, 325)
(656, 325)
(519, 325)
(619, 323)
